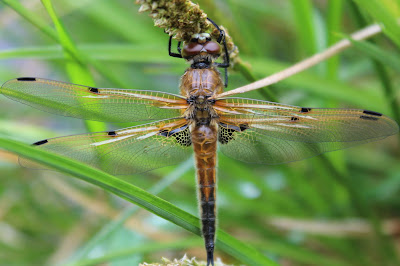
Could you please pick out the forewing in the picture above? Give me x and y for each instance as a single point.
(264, 132)
(126, 151)
(99, 104)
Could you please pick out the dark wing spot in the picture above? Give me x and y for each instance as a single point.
(243, 127)
(182, 135)
(94, 90)
(164, 133)
(368, 117)
(26, 79)
(112, 133)
(235, 128)
(294, 118)
(372, 113)
(227, 133)
(305, 110)
(40, 142)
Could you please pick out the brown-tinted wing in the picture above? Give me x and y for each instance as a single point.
(99, 104)
(273, 133)
(125, 151)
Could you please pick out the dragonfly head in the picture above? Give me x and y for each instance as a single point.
(201, 49)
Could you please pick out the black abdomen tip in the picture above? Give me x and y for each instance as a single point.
(112, 133)
(372, 113)
(40, 142)
(26, 79)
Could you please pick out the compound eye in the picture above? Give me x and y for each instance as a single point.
(212, 47)
(191, 49)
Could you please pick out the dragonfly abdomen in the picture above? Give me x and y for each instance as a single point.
(204, 140)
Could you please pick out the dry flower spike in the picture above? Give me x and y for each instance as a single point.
(182, 19)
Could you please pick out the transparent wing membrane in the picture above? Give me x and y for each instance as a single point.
(271, 133)
(254, 147)
(249, 130)
(126, 151)
(99, 104)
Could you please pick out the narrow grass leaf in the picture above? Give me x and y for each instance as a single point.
(137, 196)
(377, 53)
(333, 27)
(77, 55)
(303, 13)
(386, 12)
(78, 72)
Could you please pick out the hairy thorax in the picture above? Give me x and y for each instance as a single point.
(201, 82)
(198, 85)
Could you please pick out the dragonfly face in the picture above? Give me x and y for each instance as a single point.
(198, 120)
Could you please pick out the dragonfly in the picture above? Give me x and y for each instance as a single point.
(195, 121)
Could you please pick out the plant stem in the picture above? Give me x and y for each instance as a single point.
(307, 63)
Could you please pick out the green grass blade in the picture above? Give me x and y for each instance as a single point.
(42, 26)
(137, 196)
(112, 226)
(388, 58)
(333, 27)
(35, 20)
(78, 72)
(386, 12)
(385, 58)
(303, 13)
(324, 88)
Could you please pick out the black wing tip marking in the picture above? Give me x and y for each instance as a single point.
(41, 142)
(112, 133)
(94, 90)
(372, 113)
(305, 110)
(368, 118)
(294, 118)
(26, 79)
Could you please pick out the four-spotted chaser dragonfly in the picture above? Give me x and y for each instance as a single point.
(197, 120)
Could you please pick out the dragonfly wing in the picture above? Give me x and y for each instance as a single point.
(263, 132)
(126, 151)
(99, 104)
(252, 146)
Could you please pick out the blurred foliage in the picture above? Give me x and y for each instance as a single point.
(339, 209)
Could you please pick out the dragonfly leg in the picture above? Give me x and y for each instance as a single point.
(222, 39)
(178, 48)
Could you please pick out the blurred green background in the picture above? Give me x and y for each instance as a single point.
(338, 209)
